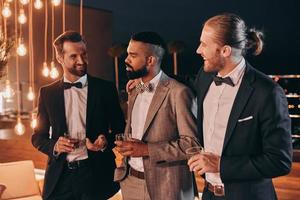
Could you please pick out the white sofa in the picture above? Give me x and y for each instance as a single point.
(19, 180)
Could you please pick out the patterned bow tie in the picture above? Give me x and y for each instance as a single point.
(68, 85)
(140, 88)
(219, 80)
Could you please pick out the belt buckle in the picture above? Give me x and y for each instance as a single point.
(73, 165)
(219, 190)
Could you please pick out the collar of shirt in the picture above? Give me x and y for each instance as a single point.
(237, 72)
(155, 80)
(82, 80)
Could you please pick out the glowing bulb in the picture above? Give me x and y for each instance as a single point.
(8, 92)
(53, 72)
(6, 12)
(56, 2)
(22, 19)
(38, 4)
(33, 123)
(19, 128)
(46, 70)
(21, 49)
(30, 94)
(24, 2)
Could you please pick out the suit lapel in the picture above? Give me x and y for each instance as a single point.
(240, 102)
(58, 96)
(158, 98)
(91, 102)
(132, 99)
(202, 87)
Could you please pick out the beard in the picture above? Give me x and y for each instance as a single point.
(213, 65)
(78, 71)
(136, 74)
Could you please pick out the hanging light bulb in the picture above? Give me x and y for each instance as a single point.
(19, 128)
(22, 19)
(56, 2)
(8, 92)
(33, 123)
(38, 4)
(53, 72)
(24, 2)
(21, 49)
(46, 70)
(30, 94)
(6, 12)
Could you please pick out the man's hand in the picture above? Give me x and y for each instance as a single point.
(205, 162)
(64, 145)
(133, 148)
(131, 85)
(99, 144)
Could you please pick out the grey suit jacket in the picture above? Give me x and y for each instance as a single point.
(169, 129)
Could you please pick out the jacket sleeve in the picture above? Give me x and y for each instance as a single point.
(41, 137)
(276, 157)
(116, 117)
(174, 150)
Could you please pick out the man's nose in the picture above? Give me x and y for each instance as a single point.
(80, 60)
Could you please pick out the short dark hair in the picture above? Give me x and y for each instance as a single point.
(230, 29)
(67, 36)
(150, 38)
(156, 42)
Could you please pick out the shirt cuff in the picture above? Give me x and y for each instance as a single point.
(55, 154)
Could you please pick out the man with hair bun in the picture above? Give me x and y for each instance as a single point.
(243, 119)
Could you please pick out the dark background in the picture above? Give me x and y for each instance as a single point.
(183, 19)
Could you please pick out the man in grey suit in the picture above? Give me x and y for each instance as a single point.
(161, 126)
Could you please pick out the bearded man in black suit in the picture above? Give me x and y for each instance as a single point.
(84, 114)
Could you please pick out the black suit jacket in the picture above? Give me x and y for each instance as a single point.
(103, 115)
(254, 150)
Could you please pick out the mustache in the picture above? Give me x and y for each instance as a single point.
(128, 65)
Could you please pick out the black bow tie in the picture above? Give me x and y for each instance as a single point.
(68, 85)
(219, 80)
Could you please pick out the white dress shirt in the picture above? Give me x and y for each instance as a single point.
(75, 107)
(217, 107)
(138, 119)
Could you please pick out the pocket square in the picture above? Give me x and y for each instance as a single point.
(245, 119)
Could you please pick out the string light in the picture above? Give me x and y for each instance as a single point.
(38, 4)
(22, 19)
(8, 92)
(21, 49)
(24, 2)
(19, 128)
(53, 72)
(45, 70)
(56, 2)
(30, 95)
(6, 12)
(34, 121)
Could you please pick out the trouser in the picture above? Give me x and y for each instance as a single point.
(75, 183)
(134, 188)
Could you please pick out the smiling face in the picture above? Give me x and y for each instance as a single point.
(74, 60)
(210, 50)
(137, 59)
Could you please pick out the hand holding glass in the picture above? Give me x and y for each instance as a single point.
(193, 151)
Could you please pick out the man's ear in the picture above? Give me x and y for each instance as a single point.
(226, 51)
(152, 60)
(59, 58)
